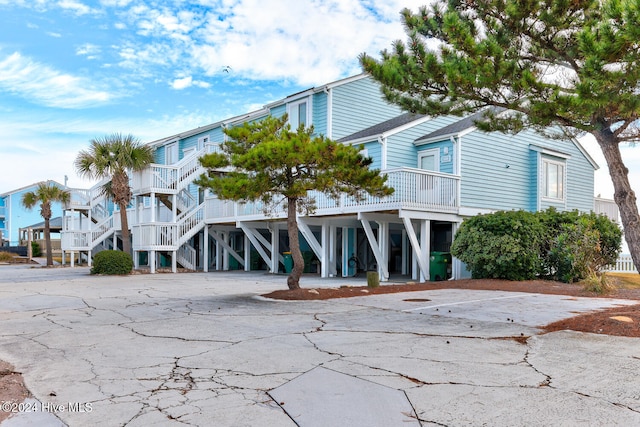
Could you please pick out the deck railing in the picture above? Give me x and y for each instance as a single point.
(414, 189)
(624, 264)
(156, 236)
(607, 207)
(171, 178)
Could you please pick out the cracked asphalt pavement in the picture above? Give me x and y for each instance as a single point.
(204, 349)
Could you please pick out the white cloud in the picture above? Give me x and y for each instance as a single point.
(91, 51)
(308, 44)
(115, 3)
(43, 85)
(188, 81)
(75, 6)
(305, 43)
(182, 83)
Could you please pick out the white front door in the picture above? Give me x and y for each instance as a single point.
(427, 185)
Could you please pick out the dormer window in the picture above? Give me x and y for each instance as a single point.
(299, 113)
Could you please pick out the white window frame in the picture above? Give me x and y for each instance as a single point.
(293, 107)
(167, 149)
(202, 141)
(430, 152)
(562, 180)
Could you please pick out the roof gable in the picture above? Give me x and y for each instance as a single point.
(380, 128)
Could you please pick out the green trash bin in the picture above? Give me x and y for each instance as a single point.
(288, 262)
(439, 265)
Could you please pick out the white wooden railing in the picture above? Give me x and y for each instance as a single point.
(155, 236)
(171, 178)
(624, 264)
(414, 189)
(607, 207)
(102, 230)
(186, 256)
(190, 224)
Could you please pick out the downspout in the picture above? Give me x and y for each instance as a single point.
(329, 130)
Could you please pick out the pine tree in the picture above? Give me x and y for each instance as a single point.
(266, 161)
(569, 65)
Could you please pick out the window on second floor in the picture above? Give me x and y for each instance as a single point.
(553, 179)
(171, 153)
(299, 113)
(202, 141)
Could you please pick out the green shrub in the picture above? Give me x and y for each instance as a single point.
(112, 262)
(6, 256)
(575, 252)
(502, 245)
(578, 245)
(35, 249)
(518, 245)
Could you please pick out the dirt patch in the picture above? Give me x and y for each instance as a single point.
(12, 389)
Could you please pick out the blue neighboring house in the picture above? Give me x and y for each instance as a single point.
(443, 170)
(13, 215)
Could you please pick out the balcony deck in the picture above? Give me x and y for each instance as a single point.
(415, 189)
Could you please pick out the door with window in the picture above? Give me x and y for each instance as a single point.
(427, 185)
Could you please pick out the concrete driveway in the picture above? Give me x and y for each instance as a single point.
(205, 350)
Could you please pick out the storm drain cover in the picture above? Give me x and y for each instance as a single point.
(322, 397)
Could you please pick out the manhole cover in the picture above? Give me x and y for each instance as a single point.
(416, 300)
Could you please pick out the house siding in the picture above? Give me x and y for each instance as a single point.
(319, 113)
(17, 216)
(374, 150)
(358, 105)
(401, 150)
(488, 183)
(278, 111)
(160, 155)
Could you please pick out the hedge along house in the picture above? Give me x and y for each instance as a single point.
(442, 169)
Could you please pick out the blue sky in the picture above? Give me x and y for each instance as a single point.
(71, 70)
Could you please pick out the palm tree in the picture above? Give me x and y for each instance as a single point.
(45, 194)
(111, 157)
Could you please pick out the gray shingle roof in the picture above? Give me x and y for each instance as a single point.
(383, 127)
(459, 126)
(54, 223)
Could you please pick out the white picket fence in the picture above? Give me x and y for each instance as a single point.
(624, 264)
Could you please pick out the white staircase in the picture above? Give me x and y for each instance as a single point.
(171, 184)
(87, 220)
(90, 220)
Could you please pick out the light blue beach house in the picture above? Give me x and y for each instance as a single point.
(442, 169)
(14, 216)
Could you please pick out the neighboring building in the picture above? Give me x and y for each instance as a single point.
(38, 235)
(14, 216)
(443, 170)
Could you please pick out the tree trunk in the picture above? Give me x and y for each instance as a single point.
(623, 195)
(122, 196)
(293, 281)
(124, 225)
(47, 242)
